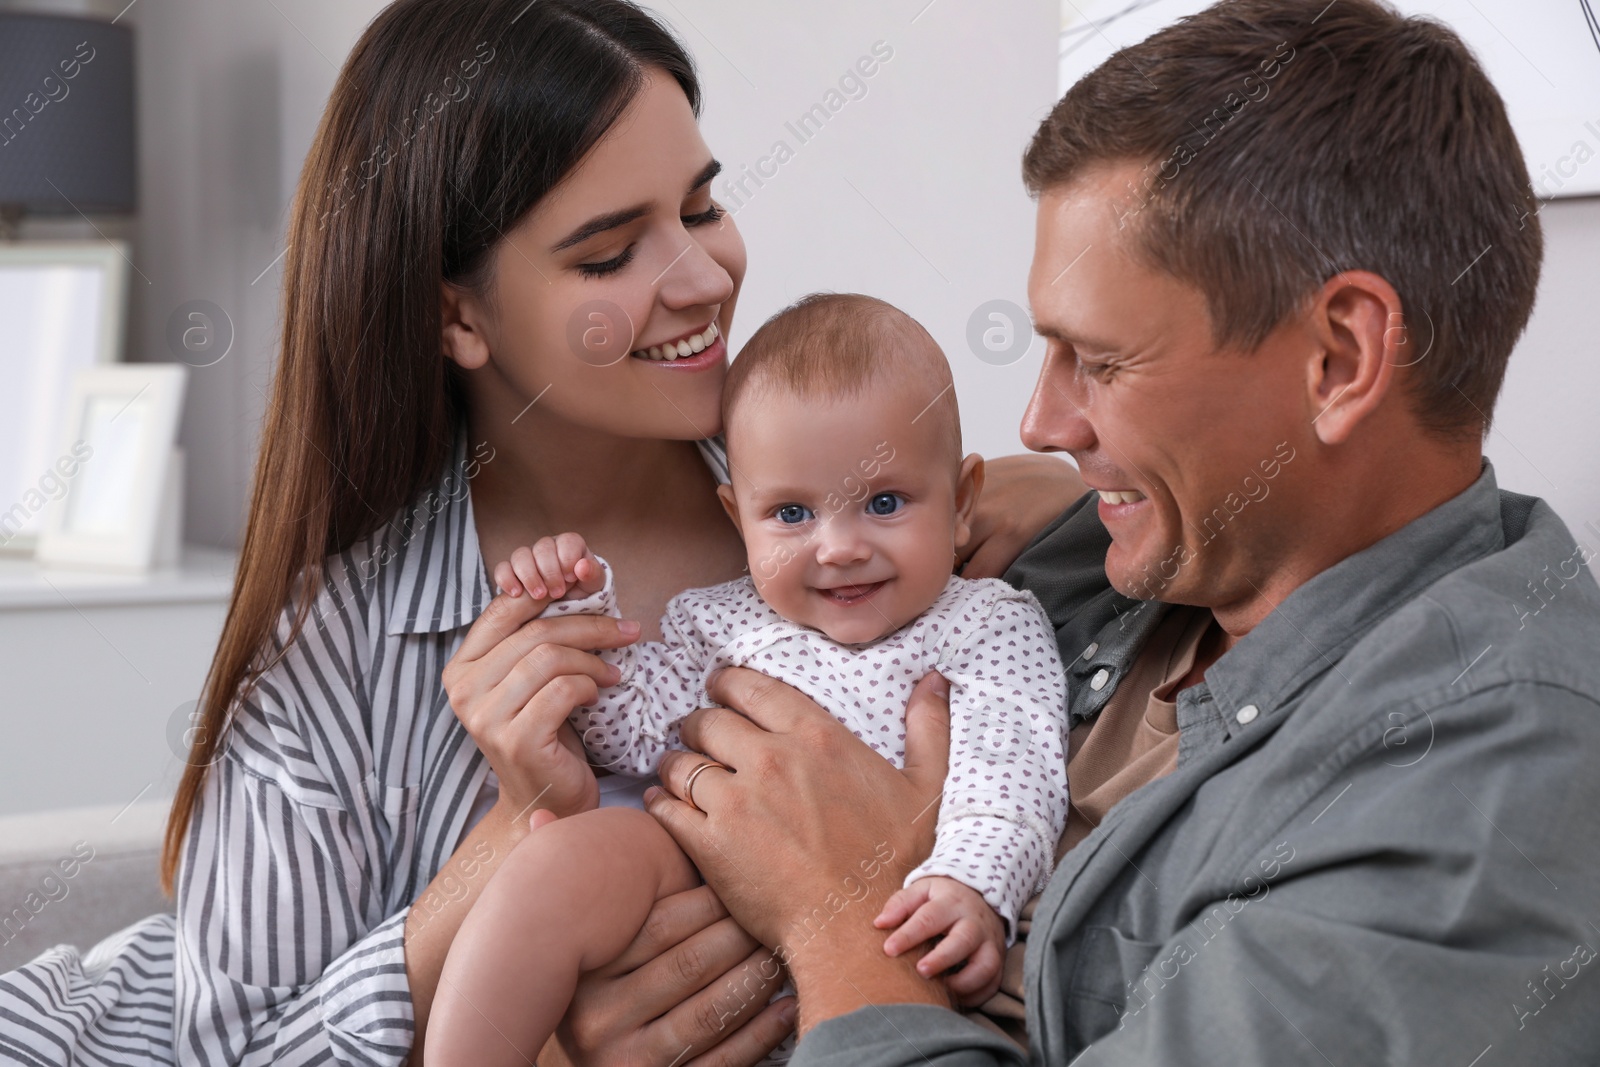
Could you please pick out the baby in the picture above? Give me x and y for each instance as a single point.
(852, 496)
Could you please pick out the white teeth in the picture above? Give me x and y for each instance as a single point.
(1120, 496)
(689, 346)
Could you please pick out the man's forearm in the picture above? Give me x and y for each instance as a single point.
(842, 970)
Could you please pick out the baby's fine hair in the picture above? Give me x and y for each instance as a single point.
(839, 344)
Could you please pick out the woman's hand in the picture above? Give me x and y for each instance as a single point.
(1021, 496)
(692, 984)
(514, 681)
(806, 831)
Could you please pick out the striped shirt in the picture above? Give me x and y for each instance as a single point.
(343, 787)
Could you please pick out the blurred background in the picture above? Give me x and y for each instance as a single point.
(194, 116)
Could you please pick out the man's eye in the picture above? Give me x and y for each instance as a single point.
(793, 514)
(885, 504)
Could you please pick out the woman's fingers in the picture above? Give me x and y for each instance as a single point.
(673, 920)
(504, 616)
(728, 997)
(749, 1044)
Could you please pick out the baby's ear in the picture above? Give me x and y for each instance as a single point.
(969, 485)
(730, 505)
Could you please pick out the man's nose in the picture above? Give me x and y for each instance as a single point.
(1055, 420)
(841, 541)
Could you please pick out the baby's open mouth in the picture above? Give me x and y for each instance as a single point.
(688, 346)
(851, 594)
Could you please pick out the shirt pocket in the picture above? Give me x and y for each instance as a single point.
(1110, 970)
(394, 809)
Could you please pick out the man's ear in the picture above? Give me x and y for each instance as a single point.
(730, 505)
(1362, 336)
(462, 324)
(969, 484)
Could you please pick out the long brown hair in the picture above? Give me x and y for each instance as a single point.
(450, 120)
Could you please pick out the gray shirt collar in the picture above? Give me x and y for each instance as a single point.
(1309, 633)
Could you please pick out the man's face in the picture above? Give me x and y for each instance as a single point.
(1192, 447)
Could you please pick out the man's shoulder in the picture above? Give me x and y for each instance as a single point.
(1528, 613)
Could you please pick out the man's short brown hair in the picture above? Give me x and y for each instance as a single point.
(1289, 140)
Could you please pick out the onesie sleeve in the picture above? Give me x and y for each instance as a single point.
(635, 722)
(1005, 798)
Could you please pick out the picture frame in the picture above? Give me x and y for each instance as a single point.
(62, 310)
(118, 466)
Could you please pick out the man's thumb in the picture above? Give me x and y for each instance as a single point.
(928, 732)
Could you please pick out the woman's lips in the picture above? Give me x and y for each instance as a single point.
(848, 595)
(710, 356)
(686, 347)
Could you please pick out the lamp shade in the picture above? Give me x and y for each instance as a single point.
(66, 116)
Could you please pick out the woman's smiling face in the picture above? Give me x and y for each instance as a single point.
(627, 255)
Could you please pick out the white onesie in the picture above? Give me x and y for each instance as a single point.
(1005, 798)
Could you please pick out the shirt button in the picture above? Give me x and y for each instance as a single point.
(1094, 646)
(1101, 677)
(1246, 715)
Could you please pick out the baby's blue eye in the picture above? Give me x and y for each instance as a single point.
(885, 504)
(793, 514)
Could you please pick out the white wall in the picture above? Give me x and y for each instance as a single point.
(911, 193)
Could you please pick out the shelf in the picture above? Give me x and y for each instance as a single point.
(205, 575)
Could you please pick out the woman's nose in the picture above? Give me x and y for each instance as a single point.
(694, 279)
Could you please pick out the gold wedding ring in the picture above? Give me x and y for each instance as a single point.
(688, 784)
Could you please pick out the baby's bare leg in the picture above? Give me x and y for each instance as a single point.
(569, 898)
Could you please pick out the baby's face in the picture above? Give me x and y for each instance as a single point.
(851, 508)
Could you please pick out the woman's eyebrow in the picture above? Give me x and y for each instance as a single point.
(709, 171)
(611, 220)
(600, 224)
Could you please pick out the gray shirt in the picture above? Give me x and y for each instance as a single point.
(1381, 843)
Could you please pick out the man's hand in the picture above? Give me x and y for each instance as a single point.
(970, 934)
(692, 984)
(805, 830)
(1021, 496)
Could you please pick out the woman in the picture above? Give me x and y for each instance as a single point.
(503, 220)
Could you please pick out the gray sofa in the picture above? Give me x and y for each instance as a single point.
(72, 877)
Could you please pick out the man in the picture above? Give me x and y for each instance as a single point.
(1334, 732)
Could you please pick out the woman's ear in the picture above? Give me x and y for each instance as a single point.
(969, 484)
(1363, 338)
(462, 323)
(730, 505)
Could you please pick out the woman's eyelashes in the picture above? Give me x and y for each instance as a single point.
(609, 266)
(623, 258)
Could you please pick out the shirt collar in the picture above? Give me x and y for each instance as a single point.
(1310, 632)
(440, 583)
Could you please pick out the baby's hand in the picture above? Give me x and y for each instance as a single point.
(549, 567)
(972, 932)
